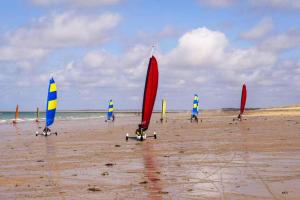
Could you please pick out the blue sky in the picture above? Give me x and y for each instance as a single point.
(99, 49)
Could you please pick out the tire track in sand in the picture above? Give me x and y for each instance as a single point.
(243, 133)
(51, 166)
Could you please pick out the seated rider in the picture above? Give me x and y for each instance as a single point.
(140, 130)
(239, 117)
(46, 130)
(194, 116)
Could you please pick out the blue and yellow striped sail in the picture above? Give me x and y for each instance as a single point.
(110, 110)
(195, 105)
(51, 103)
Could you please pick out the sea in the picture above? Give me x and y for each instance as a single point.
(8, 116)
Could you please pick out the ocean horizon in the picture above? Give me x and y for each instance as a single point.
(27, 116)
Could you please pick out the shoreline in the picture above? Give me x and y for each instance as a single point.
(230, 112)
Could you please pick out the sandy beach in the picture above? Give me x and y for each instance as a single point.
(258, 158)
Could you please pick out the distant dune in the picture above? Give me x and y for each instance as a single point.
(291, 110)
(289, 107)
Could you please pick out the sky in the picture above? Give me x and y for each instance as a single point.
(98, 50)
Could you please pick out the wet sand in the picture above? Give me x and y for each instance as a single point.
(258, 158)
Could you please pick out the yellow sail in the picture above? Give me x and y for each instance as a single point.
(164, 109)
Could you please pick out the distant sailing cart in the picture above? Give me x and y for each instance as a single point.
(37, 115)
(16, 115)
(195, 110)
(50, 109)
(163, 111)
(110, 112)
(150, 91)
(243, 102)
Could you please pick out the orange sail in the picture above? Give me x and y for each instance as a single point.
(16, 114)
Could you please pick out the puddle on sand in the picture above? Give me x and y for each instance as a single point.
(255, 175)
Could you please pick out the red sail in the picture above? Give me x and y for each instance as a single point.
(151, 85)
(243, 99)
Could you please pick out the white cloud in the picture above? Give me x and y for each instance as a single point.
(274, 4)
(202, 61)
(282, 42)
(251, 58)
(65, 30)
(261, 29)
(288, 72)
(200, 53)
(30, 44)
(217, 3)
(102, 69)
(199, 47)
(167, 31)
(98, 59)
(204, 48)
(135, 98)
(202, 57)
(11, 53)
(87, 3)
(286, 4)
(201, 79)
